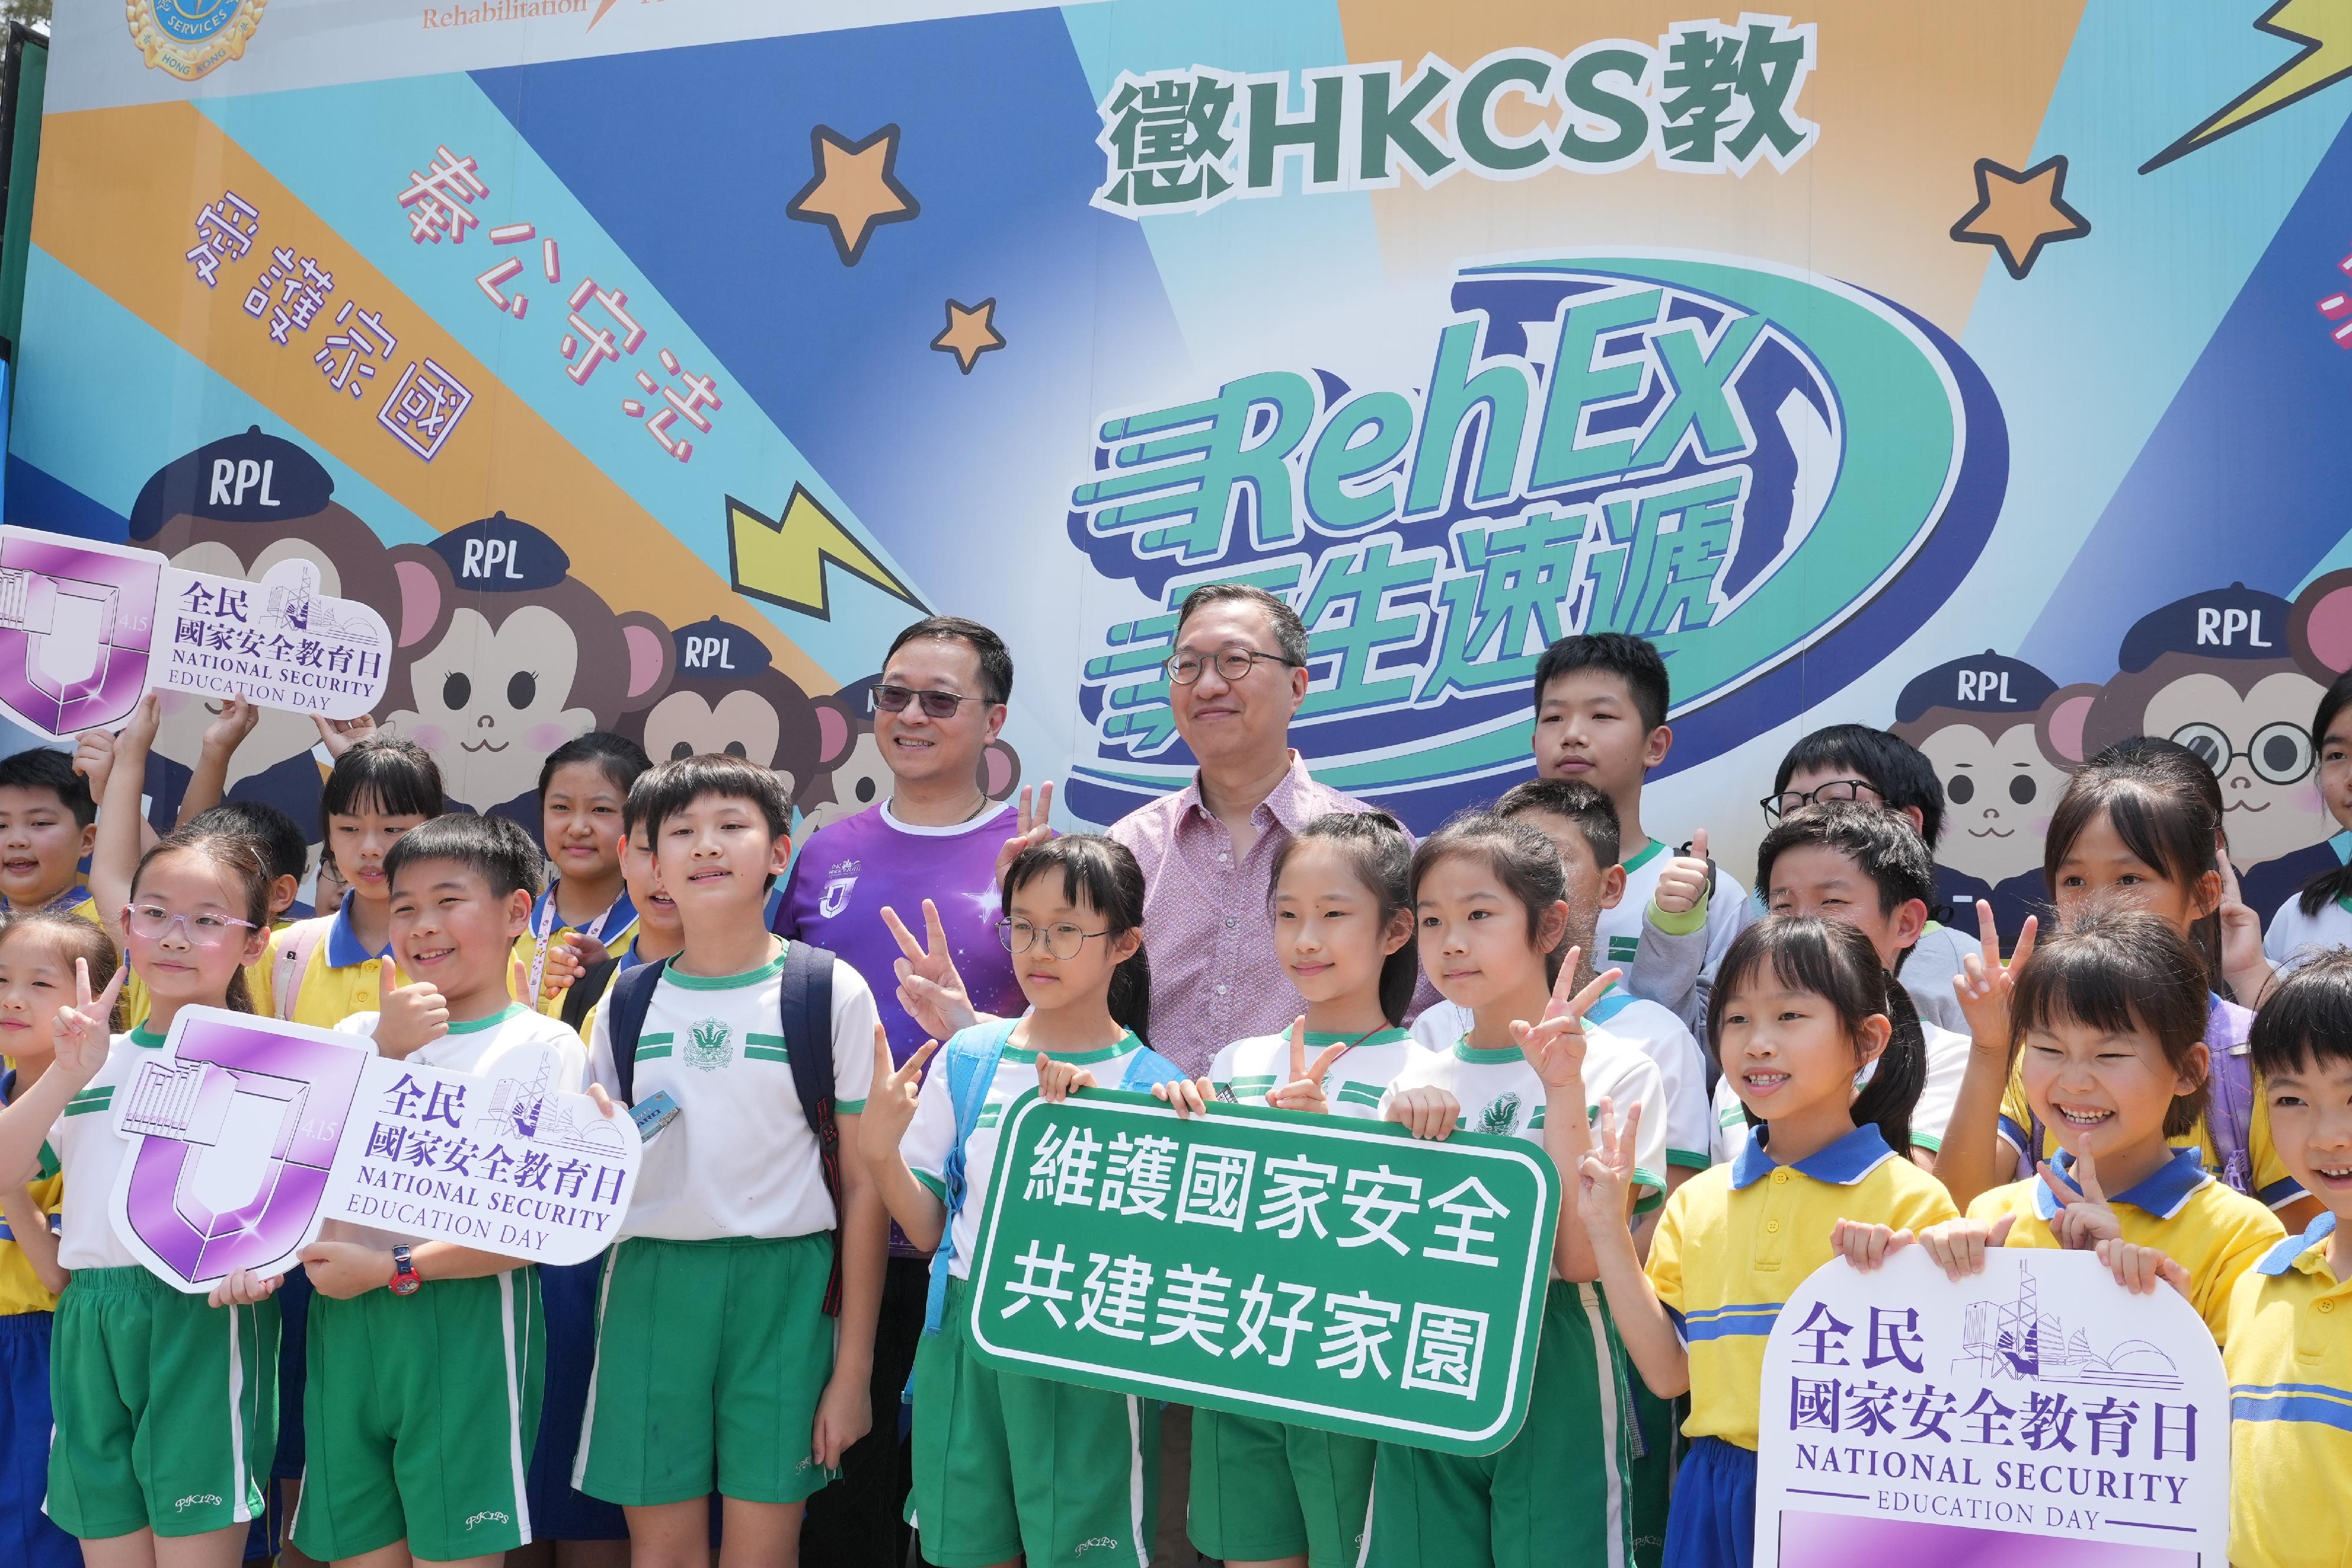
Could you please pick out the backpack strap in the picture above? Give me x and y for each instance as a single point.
(626, 1006)
(294, 945)
(1146, 1068)
(585, 993)
(971, 1058)
(2230, 1114)
(805, 997)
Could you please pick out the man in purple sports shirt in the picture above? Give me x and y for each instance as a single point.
(932, 845)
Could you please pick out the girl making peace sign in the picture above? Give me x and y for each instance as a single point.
(166, 1405)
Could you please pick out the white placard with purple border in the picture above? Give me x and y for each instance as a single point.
(253, 1133)
(87, 629)
(2035, 1413)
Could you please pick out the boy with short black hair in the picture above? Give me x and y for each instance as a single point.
(1875, 768)
(424, 1357)
(1856, 863)
(2290, 1362)
(48, 825)
(717, 1363)
(1601, 702)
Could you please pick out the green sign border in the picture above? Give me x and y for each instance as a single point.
(1520, 1366)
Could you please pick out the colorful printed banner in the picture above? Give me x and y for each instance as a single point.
(87, 628)
(1314, 1269)
(1464, 327)
(253, 1133)
(2035, 1413)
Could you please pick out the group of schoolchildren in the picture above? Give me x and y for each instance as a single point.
(1735, 1090)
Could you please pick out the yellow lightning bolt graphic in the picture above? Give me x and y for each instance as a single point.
(2324, 28)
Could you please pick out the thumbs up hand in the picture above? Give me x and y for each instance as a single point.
(1687, 879)
(408, 1017)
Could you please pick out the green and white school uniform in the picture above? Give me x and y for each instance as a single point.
(1006, 1465)
(1265, 1488)
(713, 1344)
(1686, 1123)
(166, 1408)
(1562, 1491)
(391, 1452)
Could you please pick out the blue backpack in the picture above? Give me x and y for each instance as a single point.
(970, 1061)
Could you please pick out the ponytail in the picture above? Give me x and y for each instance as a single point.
(1130, 994)
(1893, 1091)
(2325, 889)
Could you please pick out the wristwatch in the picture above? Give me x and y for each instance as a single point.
(404, 1276)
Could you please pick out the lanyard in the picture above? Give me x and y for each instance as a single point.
(593, 931)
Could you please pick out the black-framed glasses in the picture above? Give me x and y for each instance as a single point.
(1788, 800)
(1062, 941)
(1232, 665)
(2280, 752)
(936, 705)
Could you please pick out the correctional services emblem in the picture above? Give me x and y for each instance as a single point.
(190, 38)
(707, 1045)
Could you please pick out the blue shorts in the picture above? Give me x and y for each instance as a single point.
(1714, 1520)
(294, 1293)
(27, 1536)
(559, 1513)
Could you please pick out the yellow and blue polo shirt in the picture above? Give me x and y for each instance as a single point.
(20, 1288)
(75, 900)
(618, 931)
(1736, 1239)
(2290, 1364)
(2226, 1028)
(342, 977)
(2182, 1211)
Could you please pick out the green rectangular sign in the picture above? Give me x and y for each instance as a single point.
(1323, 1270)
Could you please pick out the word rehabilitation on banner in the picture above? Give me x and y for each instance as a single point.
(1327, 1272)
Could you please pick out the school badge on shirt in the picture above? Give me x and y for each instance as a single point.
(1500, 1119)
(190, 38)
(710, 1045)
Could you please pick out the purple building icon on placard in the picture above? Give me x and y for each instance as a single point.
(241, 1131)
(76, 627)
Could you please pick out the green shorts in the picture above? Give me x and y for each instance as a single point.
(1008, 1466)
(420, 1412)
(1657, 1443)
(166, 1408)
(1559, 1492)
(1263, 1490)
(710, 1359)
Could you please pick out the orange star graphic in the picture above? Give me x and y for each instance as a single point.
(854, 189)
(970, 332)
(2017, 214)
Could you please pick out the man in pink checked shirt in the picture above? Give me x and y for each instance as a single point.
(1236, 674)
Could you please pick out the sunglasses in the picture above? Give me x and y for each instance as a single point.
(936, 705)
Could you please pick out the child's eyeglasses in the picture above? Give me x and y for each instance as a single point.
(1060, 941)
(151, 923)
(1788, 800)
(936, 705)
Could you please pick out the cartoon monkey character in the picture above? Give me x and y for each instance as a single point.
(2234, 674)
(2002, 737)
(728, 697)
(517, 657)
(238, 507)
(852, 775)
